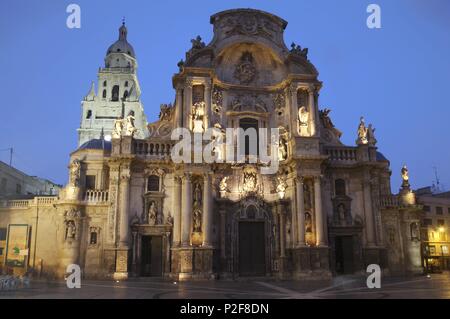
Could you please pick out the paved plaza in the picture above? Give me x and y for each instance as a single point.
(437, 286)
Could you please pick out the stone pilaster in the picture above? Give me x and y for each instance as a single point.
(300, 212)
(207, 211)
(368, 214)
(187, 105)
(186, 214)
(320, 235)
(177, 211)
(312, 111)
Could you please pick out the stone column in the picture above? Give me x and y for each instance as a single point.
(177, 211)
(222, 233)
(320, 236)
(207, 211)
(187, 104)
(368, 214)
(124, 200)
(186, 210)
(179, 107)
(294, 225)
(294, 107)
(207, 97)
(281, 233)
(312, 111)
(300, 212)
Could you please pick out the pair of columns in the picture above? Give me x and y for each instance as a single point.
(311, 106)
(184, 103)
(182, 226)
(299, 239)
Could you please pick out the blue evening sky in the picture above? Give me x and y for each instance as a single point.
(398, 76)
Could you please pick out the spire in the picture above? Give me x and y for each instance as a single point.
(91, 94)
(123, 31)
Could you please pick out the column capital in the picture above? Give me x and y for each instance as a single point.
(186, 177)
(299, 179)
(189, 83)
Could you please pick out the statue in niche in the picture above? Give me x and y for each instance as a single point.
(198, 111)
(414, 227)
(223, 185)
(308, 223)
(281, 186)
(71, 230)
(152, 218)
(197, 195)
(307, 194)
(362, 132)
(282, 149)
(75, 172)
(169, 219)
(117, 130)
(197, 220)
(341, 214)
(130, 129)
(303, 116)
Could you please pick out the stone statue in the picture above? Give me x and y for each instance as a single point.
(165, 113)
(75, 171)
(198, 112)
(405, 177)
(223, 184)
(152, 214)
(281, 186)
(341, 213)
(296, 49)
(130, 129)
(117, 130)
(197, 43)
(197, 221)
(371, 135)
(362, 132)
(245, 71)
(169, 219)
(282, 149)
(414, 231)
(308, 223)
(71, 230)
(197, 195)
(303, 116)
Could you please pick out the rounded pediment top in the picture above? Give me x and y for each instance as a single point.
(238, 12)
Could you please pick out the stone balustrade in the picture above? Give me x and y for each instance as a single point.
(342, 154)
(152, 149)
(96, 196)
(25, 203)
(387, 201)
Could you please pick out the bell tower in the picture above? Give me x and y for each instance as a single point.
(117, 95)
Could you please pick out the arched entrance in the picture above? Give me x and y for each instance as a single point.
(252, 247)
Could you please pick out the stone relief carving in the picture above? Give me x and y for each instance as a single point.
(250, 180)
(248, 102)
(249, 24)
(124, 127)
(245, 71)
(281, 186)
(279, 102)
(217, 100)
(75, 171)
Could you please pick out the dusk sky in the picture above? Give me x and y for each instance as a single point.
(397, 77)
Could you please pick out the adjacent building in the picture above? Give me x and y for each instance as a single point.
(131, 209)
(435, 228)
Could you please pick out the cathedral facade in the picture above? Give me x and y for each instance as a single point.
(130, 209)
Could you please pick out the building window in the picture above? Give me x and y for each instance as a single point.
(432, 250)
(125, 94)
(339, 187)
(18, 189)
(438, 210)
(115, 93)
(104, 83)
(1, 251)
(3, 186)
(104, 94)
(444, 249)
(93, 239)
(2, 233)
(126, 84)
(427, 222)
(448, 210)
(90, 182)
(153, 183)
(89, 114)
(250, 138)
(440, 222)
(426, 208)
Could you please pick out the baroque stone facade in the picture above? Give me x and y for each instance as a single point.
(130, 210)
